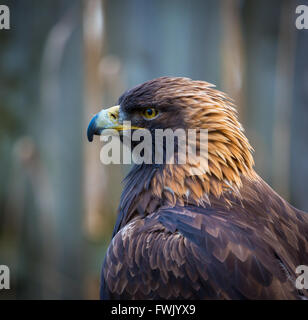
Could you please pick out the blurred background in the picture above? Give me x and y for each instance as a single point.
(62, 60)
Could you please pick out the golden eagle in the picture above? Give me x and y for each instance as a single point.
(223, 234)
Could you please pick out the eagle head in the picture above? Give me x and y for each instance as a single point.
(181, 103)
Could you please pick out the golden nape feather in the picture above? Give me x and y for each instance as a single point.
(220, 234)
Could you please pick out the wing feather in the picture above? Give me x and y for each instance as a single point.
(193, 253)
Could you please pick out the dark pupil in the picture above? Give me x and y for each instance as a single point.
(149, 112)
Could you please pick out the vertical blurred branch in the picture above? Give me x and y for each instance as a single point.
(95, 176)
(232, 53)
(283, 100)
(61, 144)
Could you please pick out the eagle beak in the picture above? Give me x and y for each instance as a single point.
(105, 119)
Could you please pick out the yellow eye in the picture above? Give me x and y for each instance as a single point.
(149, 113)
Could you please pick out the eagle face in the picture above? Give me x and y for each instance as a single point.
(157, 104)
(220, 234)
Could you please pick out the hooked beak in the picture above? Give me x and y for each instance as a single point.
(106, 119)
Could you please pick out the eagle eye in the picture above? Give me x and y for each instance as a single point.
(149, 113)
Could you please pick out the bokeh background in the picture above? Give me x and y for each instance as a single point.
(62, 60)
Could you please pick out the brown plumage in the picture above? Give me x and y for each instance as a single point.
(224, 234)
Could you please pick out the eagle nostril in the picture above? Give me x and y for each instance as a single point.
(112, 115)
